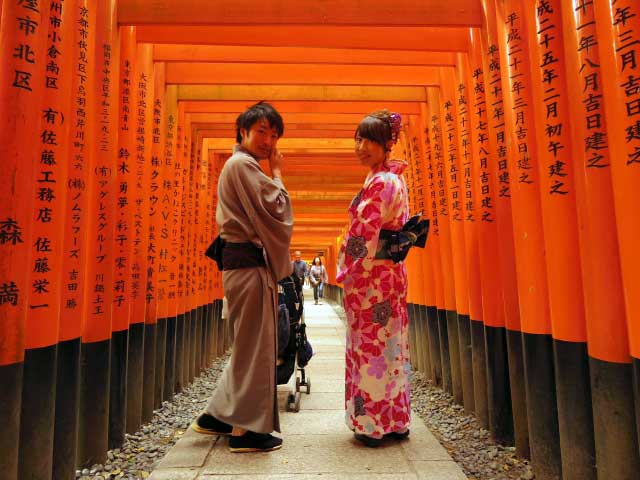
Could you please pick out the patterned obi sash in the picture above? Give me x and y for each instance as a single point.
(395, 244)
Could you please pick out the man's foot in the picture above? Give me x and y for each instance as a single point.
(254, 442)
(316, 302)
(368, 441)
(397, 435)
(210, 425)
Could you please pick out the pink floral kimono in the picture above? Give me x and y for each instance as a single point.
(377, 356)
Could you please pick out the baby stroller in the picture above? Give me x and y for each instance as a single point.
(294, 351)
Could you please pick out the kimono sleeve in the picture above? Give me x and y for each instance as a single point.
(268, 208)
(361, 242)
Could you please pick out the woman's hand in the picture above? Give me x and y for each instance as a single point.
(275, 163)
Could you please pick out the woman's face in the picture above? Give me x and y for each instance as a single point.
(316, 261)
(369, 153)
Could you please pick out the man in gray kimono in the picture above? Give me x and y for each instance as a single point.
(255, 220)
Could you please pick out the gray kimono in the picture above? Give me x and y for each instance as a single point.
(252, 208)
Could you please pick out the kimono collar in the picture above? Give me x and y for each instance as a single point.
(393, 165)
(239, 148)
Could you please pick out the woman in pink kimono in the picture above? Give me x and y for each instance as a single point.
(377, 355)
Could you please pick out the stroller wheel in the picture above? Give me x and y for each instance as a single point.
(297, 384)
(308, 385)
(293, 402)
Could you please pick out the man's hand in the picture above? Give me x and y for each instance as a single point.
(275, 163)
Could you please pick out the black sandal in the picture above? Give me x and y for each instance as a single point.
(397, 435)
(254, 442)
(368, 441)
(210, 425)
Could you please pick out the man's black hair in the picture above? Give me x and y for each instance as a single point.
(254, 113)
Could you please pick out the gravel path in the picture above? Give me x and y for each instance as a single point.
(468, 444)
(143, 450)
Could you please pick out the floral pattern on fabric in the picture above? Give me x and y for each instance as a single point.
(357, 247)
(382, 312)
(377, 354)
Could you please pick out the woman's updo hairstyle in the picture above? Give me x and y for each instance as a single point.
(381, 127)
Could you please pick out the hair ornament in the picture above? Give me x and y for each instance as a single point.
(395, 122)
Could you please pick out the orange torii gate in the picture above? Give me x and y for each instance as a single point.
(522, 130)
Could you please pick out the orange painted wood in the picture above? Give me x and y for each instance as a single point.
(257, 54)
(182, 164)
(316, 92)
(81, 142)
(161, 196)
(485, 192)
(284, 106)
(421, 132)
(454, 182)
(435, 39)
(469, 163)
(98, 311)
(506, 313)
(443, 268)
(523, 168)
(141, 169)
(298, 74)
(230, 132)
(21, 90)
(402, 151)
(49, 186)
(415, 156)
(169, 200)
(158, 217)
(599, 252)
(123, 235)
(556, 165)
(309, 12)
(301, 117)
(618, 33)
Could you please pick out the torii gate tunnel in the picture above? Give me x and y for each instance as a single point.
(522, 131)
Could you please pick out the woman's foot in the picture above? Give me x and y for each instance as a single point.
(210, 425)
(368, 441)
(254, 442)
(397, 435)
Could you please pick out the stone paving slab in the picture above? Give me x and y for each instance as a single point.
(324, 453)
(317, 444)
(316, 476)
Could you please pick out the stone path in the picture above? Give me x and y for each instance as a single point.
(317, 444)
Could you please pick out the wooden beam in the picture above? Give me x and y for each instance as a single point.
(301, 93)
(351, 119)
(285, 144)
(230, 132)
(183, 73)
(322, 196)
(257, 54)
(283, 106)
(302, 12)
(432, 39)
(290, 126)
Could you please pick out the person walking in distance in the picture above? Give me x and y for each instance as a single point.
(300, 267)
(318, 277)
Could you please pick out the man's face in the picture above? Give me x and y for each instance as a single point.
(298, 258)
(260, 139)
